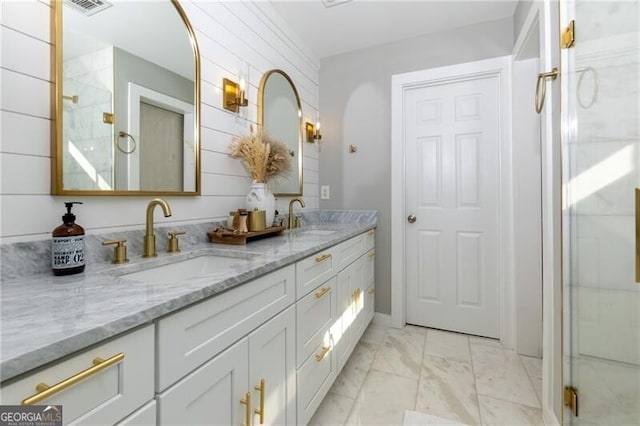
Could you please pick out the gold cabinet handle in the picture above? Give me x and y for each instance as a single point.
(45, 391)
(260, 411)
(372, 253)
(246, 401)
(323, 258)
(372, 291)
(322, 292)
(325, 350)
(356, 293)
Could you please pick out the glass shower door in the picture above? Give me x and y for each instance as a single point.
(601, 169)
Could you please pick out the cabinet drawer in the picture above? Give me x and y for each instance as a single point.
(348, 251)
(105, 397)
(369, 239)
(314, 315)
(194, 335)
(314, 270)
(314, 379)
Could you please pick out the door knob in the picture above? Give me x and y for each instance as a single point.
(412, 218)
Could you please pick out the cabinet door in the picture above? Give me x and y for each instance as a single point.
(350, 304)
(211, 394)
(272, 370)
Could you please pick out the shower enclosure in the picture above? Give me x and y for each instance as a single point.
(600, 81)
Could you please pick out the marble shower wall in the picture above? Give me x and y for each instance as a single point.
(90, 78)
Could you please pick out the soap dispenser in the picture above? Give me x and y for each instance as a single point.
(67, 251)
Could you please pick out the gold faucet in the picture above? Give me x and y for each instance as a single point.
(292, 217)
(149, 236)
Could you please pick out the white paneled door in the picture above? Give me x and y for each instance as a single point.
(452, 184)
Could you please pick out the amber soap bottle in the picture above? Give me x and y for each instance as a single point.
(67, 251)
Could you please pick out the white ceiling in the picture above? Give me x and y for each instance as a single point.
(357, 24)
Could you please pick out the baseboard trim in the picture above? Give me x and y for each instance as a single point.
(383, 320)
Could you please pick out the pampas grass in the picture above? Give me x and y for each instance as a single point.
(265, 158)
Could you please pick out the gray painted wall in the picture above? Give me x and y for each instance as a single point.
(355, 101)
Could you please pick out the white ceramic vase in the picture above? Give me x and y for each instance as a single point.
(261, 198)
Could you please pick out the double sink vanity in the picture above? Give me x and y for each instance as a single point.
(213, 334)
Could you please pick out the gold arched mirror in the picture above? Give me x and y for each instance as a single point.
(127, 99)
(280, 115)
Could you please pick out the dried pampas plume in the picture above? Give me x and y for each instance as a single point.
(265, 158)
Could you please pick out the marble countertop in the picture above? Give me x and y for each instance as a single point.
(44, 317)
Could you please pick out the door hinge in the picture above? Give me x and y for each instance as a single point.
(571, 399)
(108, 118)
(568, 36)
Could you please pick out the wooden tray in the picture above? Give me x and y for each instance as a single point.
(227, 237)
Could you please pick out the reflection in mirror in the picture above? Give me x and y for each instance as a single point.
(280, 116)
(127, 115)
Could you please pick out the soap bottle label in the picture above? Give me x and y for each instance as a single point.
(67, 252)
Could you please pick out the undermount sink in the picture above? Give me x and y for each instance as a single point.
(187, 269)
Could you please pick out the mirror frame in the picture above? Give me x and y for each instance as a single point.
(56, 111)
(263, 82)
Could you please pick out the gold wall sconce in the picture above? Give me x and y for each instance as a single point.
(313, 132)
(233, 95)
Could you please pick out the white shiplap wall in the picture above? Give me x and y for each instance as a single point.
(229, 34)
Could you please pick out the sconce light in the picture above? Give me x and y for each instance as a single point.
(313, 132)
(234, 95)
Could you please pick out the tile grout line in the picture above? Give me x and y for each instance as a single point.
(424, 347)
(355, 400)
(475, 382)
(530, 381)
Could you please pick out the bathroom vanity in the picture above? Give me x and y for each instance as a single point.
(257, 339)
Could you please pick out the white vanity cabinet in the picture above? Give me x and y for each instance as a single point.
(113, 380)
(315, 313)
(331, 317)
(237, 359)
(193, 336)
(252, 378)
(370, 284)
(350, 324)
(262, 353)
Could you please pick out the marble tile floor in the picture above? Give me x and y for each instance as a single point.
(457, 378)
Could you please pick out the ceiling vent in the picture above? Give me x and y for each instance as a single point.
(89, 7)
(331, 3)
